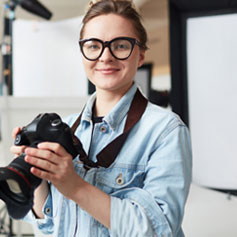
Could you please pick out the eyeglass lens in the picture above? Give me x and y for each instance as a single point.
(120, 48)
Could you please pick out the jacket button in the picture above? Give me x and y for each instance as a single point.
(103, 129)
(47, 210)
(119, 180)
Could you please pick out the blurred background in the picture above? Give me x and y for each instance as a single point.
(190, 68)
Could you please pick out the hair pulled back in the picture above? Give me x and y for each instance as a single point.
(122, 8)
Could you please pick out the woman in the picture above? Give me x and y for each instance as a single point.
(142, 189)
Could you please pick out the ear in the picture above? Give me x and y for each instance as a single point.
(141, 57)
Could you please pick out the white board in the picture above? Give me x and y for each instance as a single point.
(47, 59)
(212, 98)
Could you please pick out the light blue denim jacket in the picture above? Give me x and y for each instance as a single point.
(148, 182)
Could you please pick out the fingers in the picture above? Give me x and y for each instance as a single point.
(43, 162)
(36, 157)
(46, 155)
(42, 174)
(17, 150)
(50, 161)
(55, 147)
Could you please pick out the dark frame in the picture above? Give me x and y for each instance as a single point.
(179, 12)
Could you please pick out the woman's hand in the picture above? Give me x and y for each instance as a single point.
(53, 163)
(16, 150)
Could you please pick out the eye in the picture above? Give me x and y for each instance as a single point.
(121, 45)
(92, 45)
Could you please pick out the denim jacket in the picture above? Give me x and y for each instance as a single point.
(148, 182)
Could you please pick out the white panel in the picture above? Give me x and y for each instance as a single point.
(143, 81)
(47, 59)
(212, 97)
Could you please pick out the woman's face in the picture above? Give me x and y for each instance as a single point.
(108, 73)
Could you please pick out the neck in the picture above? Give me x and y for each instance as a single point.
(105, 101)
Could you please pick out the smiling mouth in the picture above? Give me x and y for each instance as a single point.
(107, 70)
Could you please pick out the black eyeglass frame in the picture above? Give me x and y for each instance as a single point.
(105, 44)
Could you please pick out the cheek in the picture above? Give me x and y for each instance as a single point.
(129, 71)
(88, 66)
(133, 65)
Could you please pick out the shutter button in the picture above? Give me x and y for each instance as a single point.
(119, 180)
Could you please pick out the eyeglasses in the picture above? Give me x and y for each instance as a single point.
(121, 47)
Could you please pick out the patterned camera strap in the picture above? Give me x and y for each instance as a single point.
(107, 155)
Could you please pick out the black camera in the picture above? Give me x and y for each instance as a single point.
(17, 183)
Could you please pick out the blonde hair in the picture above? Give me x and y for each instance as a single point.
(123, 8)
(92, 2)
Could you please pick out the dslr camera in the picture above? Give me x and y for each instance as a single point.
(17, 183)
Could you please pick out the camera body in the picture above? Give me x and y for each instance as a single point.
(47, 127)
(17, 183)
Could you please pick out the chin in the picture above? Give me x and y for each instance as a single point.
(118, 88)
(107, 84)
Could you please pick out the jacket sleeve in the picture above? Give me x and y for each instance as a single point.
(157, 209)
(44, 225)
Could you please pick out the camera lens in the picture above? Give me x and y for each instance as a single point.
(12, 190)
(13, 186)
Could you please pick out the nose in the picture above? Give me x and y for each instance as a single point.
(106, 55)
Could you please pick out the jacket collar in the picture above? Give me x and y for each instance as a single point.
(116, 115)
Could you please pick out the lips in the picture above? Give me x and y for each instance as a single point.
(107, 70)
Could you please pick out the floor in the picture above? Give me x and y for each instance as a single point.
(208, 214)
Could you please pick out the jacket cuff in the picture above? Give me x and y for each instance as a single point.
(138, 197)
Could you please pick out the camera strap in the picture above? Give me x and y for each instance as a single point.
(108, 155)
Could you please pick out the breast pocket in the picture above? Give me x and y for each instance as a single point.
(113, 179)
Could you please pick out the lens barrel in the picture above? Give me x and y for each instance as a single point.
(16, 187)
